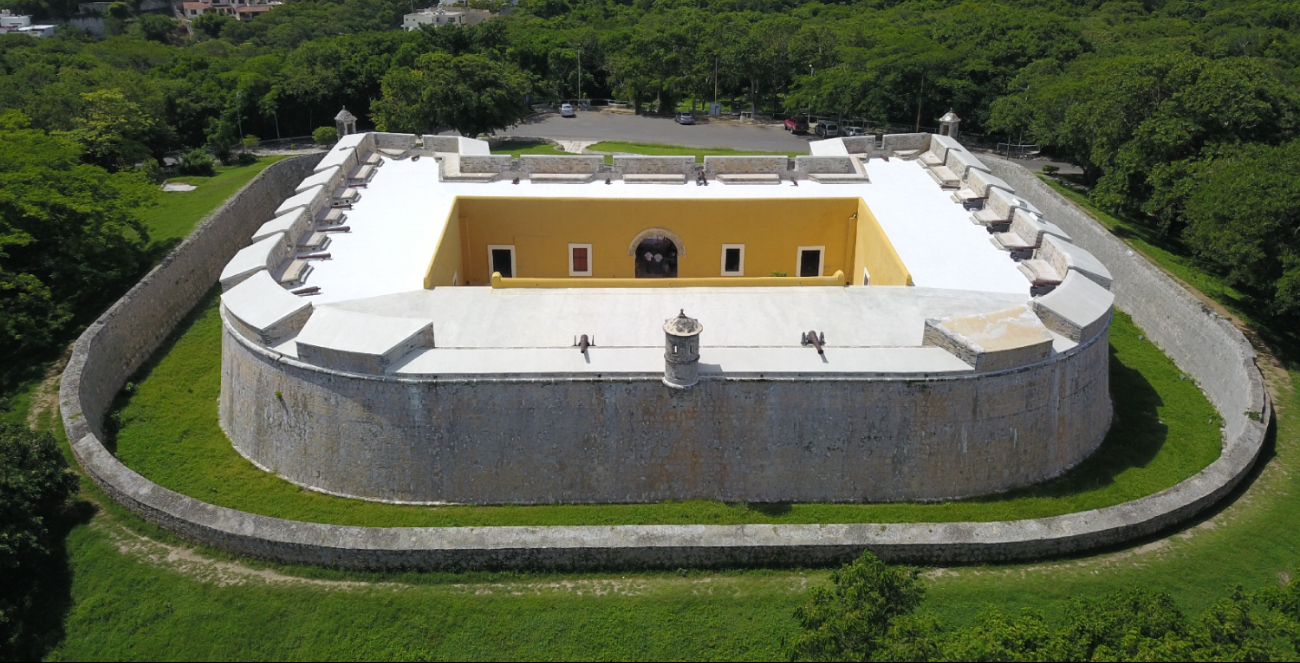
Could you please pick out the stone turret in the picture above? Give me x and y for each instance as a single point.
(682, 351)
(346, 122)
(948, 124)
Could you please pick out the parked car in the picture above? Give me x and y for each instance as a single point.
(684, 118)
(827, 129)
(566, 110)
(854, 131)
(795, 125)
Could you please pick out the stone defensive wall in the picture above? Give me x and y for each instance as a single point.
(1203, 344)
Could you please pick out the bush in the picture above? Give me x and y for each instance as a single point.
(197, 162)
(325, 136)
(1049, 169)
(250, 142)
(245, 159)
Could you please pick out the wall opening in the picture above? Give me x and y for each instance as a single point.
(810, 260)
(656, 258)
(501, 259)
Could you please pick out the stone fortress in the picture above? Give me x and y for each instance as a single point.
(884, 319)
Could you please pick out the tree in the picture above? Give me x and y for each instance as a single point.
(470, 93)
(71, 237)
(34, 482)
(1243, 220)
(210, 24)
(851, 620)
(112, 130)
(156, 27)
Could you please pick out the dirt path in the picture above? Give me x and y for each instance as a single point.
(45, 398)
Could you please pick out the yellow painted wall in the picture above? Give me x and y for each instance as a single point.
(874, 251)
(541, 229)
(446, 265)
(836, 279)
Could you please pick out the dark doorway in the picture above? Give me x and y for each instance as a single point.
(656, 258)
(810, 262)
(501, 262)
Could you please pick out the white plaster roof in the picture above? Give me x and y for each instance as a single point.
(399, 220)
(735, 362)
(878, 316)
(371, 296)
(340, 329)
(339, 153)
(828, 148)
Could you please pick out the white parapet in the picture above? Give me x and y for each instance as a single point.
(294, 224)
(266, 312)
(992, 341)
(360, 342)
(262, 255)
(330, 178)
(1077, 309)
(310, 199)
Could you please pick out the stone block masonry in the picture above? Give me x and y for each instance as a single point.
(1204, 345)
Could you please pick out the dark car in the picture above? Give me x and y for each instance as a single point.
(684, 118)
(795, 125)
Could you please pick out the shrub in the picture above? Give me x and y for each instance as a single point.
(325, 136)
(1049, 169)
(197, 162)
(250, 142)
(245, 159)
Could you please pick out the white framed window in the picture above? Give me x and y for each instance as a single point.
(579, 260)
(733, 259)
(810, 260)
(501, 258)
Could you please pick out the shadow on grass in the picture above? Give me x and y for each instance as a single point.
(37, 599)
(113, 419)
(1135, 438)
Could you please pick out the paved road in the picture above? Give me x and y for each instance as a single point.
(596, 126)
(641, 129)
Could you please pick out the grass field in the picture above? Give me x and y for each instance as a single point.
(655, 149)
(515, 148)
(129, 591)
(1165, 431)
(178, 212)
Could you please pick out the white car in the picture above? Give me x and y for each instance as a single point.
(566, 110)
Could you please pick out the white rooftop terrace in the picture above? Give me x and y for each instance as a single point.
(400, 217)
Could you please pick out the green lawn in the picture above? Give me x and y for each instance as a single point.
(517, 147)
(656, 149)
(1165, 431)
(177, 213)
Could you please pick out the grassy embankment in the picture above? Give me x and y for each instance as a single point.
(126, 600)
(1164, 433)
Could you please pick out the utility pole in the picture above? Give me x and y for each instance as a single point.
(920, 94)
(715, 78)
(580, 75)
(239, 118)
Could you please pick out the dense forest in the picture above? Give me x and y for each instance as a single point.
(1182, 115)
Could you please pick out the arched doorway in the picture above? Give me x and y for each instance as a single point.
(656, 258)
